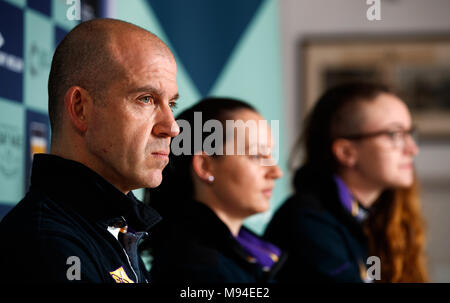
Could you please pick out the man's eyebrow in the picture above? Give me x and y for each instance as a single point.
(175, 97)
(153, 90)
(145, 88)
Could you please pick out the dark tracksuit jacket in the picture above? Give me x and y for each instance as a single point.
(199, 248)
(325, 243)
(65, 214)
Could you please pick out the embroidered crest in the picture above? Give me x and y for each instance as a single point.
(120, 276)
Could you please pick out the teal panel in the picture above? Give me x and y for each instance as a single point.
(19, 3)
(254, 74)
(139, 193)
(139, 13)
(39, 40)
(12, 133)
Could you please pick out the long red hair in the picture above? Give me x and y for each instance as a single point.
(396, 234)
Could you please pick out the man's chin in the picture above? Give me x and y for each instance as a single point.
(154, 179)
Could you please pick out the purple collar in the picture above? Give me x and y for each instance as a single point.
(261, 252)
(348, 200)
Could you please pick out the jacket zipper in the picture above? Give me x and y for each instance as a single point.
(129, 263)
(124, 251)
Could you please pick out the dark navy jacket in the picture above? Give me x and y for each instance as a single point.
(66, 213)
(324, 241)
(198, 247)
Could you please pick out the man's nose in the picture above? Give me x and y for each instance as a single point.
(165, 125)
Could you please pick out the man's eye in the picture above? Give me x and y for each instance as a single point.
(147, 99)
(173, 105)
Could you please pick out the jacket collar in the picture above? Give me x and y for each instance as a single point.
(313, 181)
(208, 228)
(77, 187)
(205, 221)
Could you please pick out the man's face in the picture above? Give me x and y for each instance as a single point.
(129, 134)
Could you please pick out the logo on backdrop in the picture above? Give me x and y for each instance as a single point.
(9, 61)
(11, 52)
(40, 59)
(11, 142)
(37, 139)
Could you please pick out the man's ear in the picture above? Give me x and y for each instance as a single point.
(77, 102)
(202, 166)
(345, 152)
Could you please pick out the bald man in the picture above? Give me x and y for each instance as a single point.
(112, 87)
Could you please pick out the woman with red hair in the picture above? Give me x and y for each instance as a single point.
(355, 194)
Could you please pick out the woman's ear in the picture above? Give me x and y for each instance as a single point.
(202, 167)
(345, 152)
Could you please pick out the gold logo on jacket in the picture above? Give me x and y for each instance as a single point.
(120, 276)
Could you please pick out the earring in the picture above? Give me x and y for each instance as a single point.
(210, 178)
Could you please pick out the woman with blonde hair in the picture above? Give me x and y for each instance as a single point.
(356, 194)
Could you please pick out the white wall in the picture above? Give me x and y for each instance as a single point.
(301, 18)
